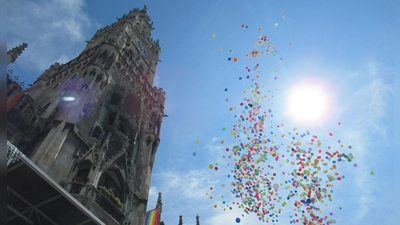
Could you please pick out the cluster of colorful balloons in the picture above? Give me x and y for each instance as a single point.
(262, 41)
(271, 169)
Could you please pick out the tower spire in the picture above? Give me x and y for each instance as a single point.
(13, 54)
(180, 220)
(159, 202)
(159, 206)
(197, 220)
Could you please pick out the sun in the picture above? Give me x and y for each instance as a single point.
(309, 102)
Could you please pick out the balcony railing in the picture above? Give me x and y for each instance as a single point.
(108, 206)
(13, 153)
(102, 200)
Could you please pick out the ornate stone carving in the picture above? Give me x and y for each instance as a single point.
(108, 161)
(89, 196)
(149, 140)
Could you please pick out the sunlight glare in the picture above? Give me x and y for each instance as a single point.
(308, 102)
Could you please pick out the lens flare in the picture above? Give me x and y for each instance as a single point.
(68, 98)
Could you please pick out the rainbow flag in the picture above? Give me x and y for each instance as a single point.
(152, 217)
(15, 98)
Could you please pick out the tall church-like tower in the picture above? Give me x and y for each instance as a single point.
(93, 125)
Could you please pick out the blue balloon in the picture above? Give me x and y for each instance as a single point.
(237, 220)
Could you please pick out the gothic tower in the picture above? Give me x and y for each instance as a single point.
(13, 54)
(94, 124)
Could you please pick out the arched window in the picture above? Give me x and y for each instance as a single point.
(102, 85)
(109, 61)
(92, 72)
(124, 125)
(99, 78)
(112, 117)
(81, 177)
(116, 99)
(97, 132)
(84, 86)
(112, 183)
(103, 56)
(123, 129)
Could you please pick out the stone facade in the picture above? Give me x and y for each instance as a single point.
(93, 124)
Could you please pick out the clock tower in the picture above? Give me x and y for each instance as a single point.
(97, 120)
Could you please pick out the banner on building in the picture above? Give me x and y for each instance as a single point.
(152, 217)
(13, 99)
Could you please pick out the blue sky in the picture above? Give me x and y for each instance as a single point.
(344, 48)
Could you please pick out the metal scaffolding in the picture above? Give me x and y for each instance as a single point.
(34, 198)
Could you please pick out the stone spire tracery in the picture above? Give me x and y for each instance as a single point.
(180, 220)
(13, 54)
(197, 220)
(159, 202)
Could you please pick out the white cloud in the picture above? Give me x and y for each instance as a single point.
(182, 190)
(153, 192)
(229, 217)
(50, 28)
(213, 146)
(374, 97)
(189, 185)
(63, 59)
(373, 104)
